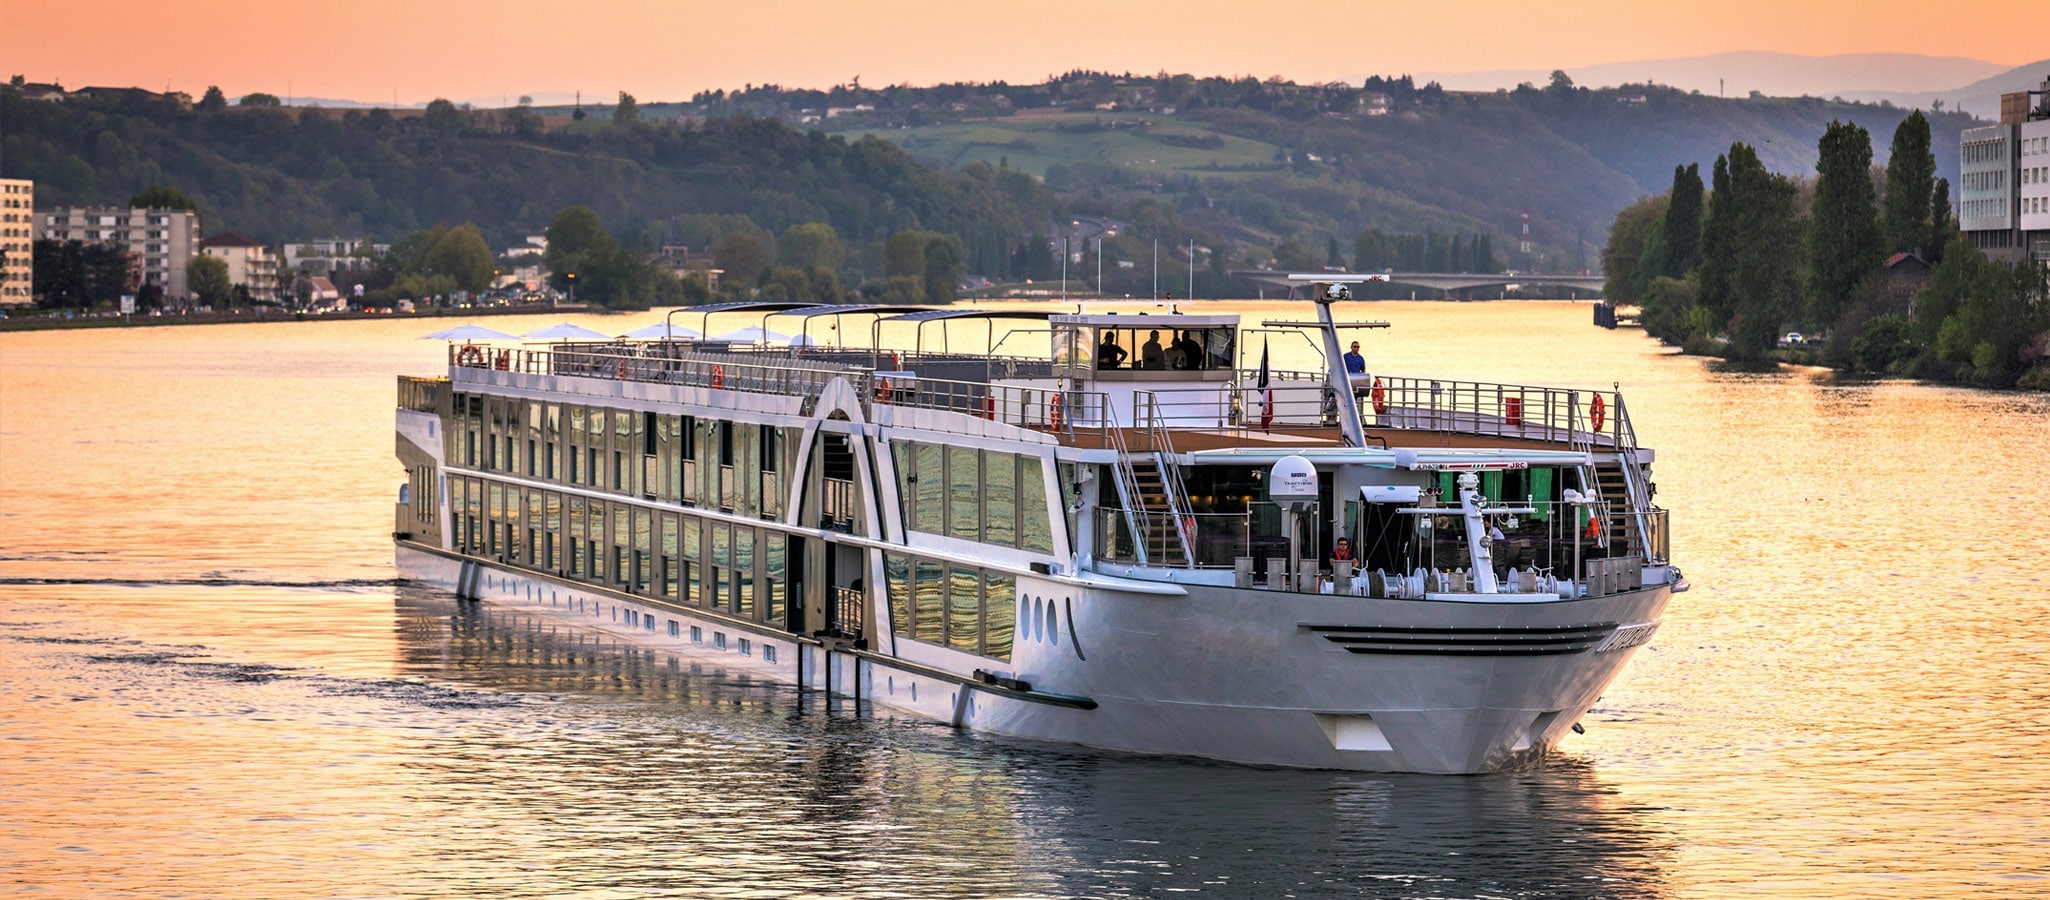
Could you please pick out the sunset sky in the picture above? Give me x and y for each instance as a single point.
(410, 50)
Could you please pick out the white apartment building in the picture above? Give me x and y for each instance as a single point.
(17, 241)
(250, 264)
(2004, 179)
(2032, 187)
(160, 242)
(332, 255)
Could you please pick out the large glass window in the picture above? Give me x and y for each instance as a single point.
(897, 575)
(1035, 529)
(1000, 614)
(929, 615)
(744, 571)
(774, 565)
(964, 493)
(1000, 498)
(930, 508)
(964, 609)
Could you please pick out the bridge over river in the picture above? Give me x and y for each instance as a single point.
(1471, 285)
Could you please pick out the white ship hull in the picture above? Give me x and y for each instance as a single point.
(1301, 680)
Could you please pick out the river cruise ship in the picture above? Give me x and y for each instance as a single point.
(1121, 530)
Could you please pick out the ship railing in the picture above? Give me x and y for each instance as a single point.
(1064, 414)
(1540, 547)
(849, 613)
(1559, 415)
(428, 395)
(663, 363)
(1152, 427)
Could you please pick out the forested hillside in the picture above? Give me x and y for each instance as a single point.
(1253, 172)
(279, 174)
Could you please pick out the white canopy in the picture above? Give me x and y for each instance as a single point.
(567, 332)
(663, 331)
(468, 333)
(752, 334)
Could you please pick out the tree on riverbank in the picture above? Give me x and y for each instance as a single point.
(1975, 320)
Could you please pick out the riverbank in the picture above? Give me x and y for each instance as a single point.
(109, 320)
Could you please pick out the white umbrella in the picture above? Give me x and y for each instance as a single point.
(804, 340)
(663, 331)
(468, 333)
(567, 332)
(752, 334)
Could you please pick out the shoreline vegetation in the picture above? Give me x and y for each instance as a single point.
(1868, 258)
(248, 315)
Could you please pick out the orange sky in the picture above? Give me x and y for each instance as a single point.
(373, 50)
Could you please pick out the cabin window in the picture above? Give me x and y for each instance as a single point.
(964, 609)
(1000, 498)
(964, 493)
(929, 616)
(999, 614)
(594, 532)
(744, 571)
(930, 507)
(578, 524)
(554, 557)
(897, 576)
(668, 554)
(775, 547)
(1035, 528)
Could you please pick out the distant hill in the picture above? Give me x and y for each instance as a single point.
(1980, 98)
(1872, 76)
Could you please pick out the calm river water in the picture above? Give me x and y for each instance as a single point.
(211, 686)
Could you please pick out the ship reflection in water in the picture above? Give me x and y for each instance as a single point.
(694, 780)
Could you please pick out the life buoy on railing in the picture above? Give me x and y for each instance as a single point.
(470, 355)
(1596, 411)
(1594, 527)
(1053, 412)
(718, 377)
(989, 407)
(1380, 395)
(883, 391)
(620, 371)
(504, 361)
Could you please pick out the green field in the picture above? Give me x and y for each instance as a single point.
(1033, 142)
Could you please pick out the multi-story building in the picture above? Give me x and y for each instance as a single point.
(328, 255)
(2004, 179)
(250, 264)
(160, 242)
(17, 241)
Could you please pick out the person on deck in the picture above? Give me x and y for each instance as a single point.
(1342, 551)
(1109, 355)
(1191, 352)
(1152, 356)
(1355, 364)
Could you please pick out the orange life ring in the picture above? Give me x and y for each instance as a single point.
(1596, 411)
(1380, 398)
(621, 371)
(718, 377)
(470, 356)
(1594, 528)
(504, 361)
(883, 391)
(989, 407)
(1053, 412)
